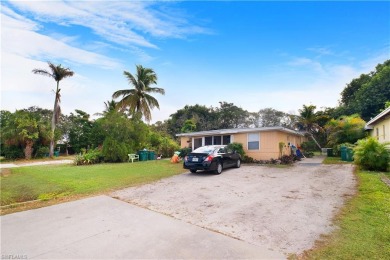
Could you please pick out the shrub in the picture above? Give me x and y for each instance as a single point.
(308, 154)
(247, 159)
(91, 157)
(309, 146)
(42, 152)
(371, 155)
(287, 159)
(13, 152)
(114, 151)
(184, 151)
(238, 148)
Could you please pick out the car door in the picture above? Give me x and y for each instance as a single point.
(231, 156)
(225, 158)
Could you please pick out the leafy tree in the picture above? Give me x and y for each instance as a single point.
(269, 117)
(138, 99)
(368, 94)
(80, 128)
(57, 72)
(231, 116)
(372, 97)
(346, 129)
(348, 95)
(21, 128)
(204, 118)
(189, 126)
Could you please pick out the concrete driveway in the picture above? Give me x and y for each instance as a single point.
(105, 228)
(284, 209)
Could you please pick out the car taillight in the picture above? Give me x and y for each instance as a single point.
(208, 158)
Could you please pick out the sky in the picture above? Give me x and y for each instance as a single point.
(254, 54)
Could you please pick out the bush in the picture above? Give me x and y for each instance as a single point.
(309, 146)
(371, 155)
(13, 152)
(113, 151)
(184, 151)
(247, 159)
(238, 148)
(308, 154)
(91, 157)
(286, 159)
(42, 152)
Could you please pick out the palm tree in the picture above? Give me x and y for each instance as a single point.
(110, 107)
(57, 73)
(307, 121)
(138, 99)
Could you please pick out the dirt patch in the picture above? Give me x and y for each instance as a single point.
(285, 209)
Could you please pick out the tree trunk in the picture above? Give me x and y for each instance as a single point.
(312, 137)
(28, 150)
(53, 123)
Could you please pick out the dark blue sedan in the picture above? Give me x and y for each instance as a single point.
(212, 158)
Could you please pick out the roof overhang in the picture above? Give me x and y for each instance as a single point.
(380, 116)
(239, 130)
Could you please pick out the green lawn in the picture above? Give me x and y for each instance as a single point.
(334, 160)
(58, 181)
(364, 224)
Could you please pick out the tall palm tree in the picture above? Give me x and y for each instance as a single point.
(138, 99)
(307, 121)
(57, 72)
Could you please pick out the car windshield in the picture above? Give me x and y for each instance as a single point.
(204, 149)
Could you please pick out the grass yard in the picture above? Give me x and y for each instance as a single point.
(364, 224)
(334, 160)
(49, 182)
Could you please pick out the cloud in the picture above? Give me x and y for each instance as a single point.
(116, 21)
(307, 63)
(19, 37)
(322, 51)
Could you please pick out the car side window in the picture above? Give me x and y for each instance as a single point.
(229, 150)
(221, 150)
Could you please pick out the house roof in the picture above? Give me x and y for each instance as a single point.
(240, 130)
(380, 116)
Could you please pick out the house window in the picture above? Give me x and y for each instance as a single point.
(253, 141)
(208, 140)
(226, 139)
(217, 140)
(197, 143)
(384, 132)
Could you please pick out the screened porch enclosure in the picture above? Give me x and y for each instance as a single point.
(211, 140)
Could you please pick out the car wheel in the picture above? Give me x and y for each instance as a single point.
(193, 170)
(219, 168)
(238, 163)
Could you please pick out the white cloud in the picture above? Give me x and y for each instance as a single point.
(115, 21)
(19, 37)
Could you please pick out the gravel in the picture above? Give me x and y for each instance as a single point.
(284, 209)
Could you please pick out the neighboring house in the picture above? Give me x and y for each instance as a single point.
(259, 143)
(379, 126)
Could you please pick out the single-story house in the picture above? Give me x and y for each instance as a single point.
(379, 126)
(259, 143)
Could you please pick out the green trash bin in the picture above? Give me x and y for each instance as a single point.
(329, 152)
(56, 153)
(151, 155)
(343, 152)
(143, 155)
(349, 155)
